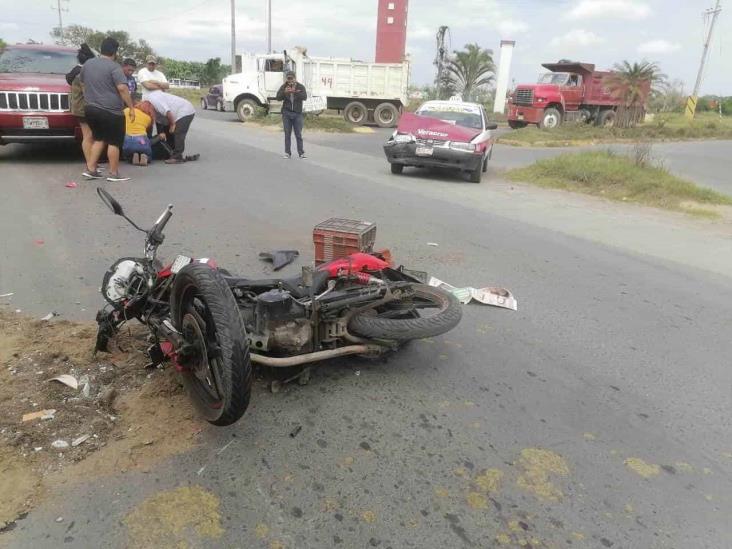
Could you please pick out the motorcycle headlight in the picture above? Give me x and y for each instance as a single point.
(467, 147)
(403, 138)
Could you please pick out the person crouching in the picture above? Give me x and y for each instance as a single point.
(137, 148)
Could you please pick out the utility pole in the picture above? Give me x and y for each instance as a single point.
(233, 36)
(60, 20)
(691, 102)
(269, 26)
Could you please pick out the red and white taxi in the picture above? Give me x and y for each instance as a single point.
(443, 134)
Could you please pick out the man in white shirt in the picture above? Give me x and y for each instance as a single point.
(178, 113)
(150, 78)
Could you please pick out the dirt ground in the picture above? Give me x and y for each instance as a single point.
(108, 424)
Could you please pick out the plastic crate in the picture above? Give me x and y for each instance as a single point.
(339, 237)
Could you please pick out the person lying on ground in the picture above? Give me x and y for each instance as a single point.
(137, 148)
(179, 114)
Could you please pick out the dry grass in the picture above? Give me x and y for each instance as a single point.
(622, 178)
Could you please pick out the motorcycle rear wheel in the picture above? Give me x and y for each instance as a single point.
(218, 372)
(389, 323)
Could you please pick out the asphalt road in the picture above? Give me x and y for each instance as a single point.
(595, 416)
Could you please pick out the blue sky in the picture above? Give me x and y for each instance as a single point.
(599, 31)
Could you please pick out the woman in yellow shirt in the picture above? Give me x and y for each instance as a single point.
(137, 143)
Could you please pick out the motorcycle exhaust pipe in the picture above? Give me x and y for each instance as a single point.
(283, 362)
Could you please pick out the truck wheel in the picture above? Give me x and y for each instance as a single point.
(606, 119)
(397, 168)
(515, 124)
(204, 105)
(552, 118)
(386, 115)
(246, 109)
(356, 113)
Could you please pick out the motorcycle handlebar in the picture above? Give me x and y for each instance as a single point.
(156, 234)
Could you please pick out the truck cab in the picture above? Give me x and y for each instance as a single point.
(568, 92)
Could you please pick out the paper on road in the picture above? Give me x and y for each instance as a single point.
(497, 297)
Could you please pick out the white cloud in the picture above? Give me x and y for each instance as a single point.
(621, 9)
(511, 27)
(576, 38)
(658, 47)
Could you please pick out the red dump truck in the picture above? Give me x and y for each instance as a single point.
(569, 92)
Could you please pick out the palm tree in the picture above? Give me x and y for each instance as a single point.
(469, 70)
(633, 84)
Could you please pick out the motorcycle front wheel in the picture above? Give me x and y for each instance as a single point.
(215, 356)
(428, 312)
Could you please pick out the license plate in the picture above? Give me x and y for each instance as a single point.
(180, 262)
(35, 123)
(423, 151)
(520, 116)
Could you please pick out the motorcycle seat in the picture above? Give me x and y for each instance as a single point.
(296, 285)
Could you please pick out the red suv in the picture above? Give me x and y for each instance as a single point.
(34, 95)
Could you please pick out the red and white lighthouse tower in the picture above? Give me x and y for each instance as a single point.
(391, 31)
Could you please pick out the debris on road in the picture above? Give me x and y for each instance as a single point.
(39, 242)
(81, 440)
(66, 379)
(50, 433)
(433, 244)
(41, 414)
(279, 258)
(71, 185)
(50, 315)
(295, 431)
(7, 295)
(496, 297)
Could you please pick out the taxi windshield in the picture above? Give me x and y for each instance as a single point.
(457, 117)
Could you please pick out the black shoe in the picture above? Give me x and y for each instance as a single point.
(92, 175)
(302, 155)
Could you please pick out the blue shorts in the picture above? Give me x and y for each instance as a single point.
(137, 144)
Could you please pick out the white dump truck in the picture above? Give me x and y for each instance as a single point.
(363, 92)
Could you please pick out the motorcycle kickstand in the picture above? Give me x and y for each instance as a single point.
(302, 377)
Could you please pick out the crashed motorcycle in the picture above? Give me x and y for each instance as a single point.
(212, 325)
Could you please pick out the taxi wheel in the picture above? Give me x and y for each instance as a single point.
(476, 175)
(397, 168)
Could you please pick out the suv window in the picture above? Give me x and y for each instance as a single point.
(38, 61)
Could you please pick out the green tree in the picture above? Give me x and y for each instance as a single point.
(469, 71)
(2, 43)
(76, 35)
(630, 82)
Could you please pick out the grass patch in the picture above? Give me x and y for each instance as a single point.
(621, 178)
(322, 122)
(663, 127)
(193, 95)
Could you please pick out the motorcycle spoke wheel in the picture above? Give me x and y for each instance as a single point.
(203, 366)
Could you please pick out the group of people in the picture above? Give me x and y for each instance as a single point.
(117, 120)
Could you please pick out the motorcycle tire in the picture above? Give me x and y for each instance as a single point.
(204, 310)
(403, 329)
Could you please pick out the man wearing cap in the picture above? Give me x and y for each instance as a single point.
(292, 94)
(150, 78)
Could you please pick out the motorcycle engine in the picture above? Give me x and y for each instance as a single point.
(125, 280)
(279, 324)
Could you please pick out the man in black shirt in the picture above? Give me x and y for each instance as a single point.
(292, 93)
